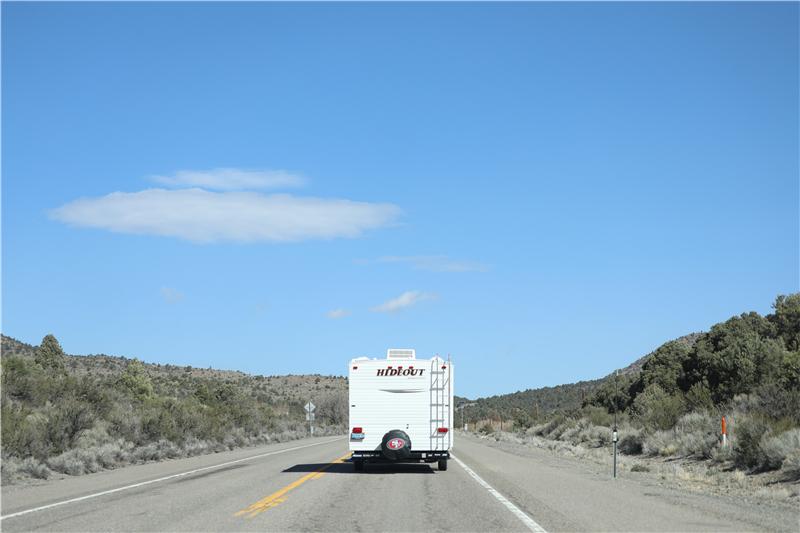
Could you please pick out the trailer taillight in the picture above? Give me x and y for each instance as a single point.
(359, 430)
(442, 430)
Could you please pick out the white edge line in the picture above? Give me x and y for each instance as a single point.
(165, 478)
(529, 522)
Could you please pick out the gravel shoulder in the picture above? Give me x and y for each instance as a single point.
(747, 504)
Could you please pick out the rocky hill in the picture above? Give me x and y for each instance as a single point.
(275, 390)
(534, 403)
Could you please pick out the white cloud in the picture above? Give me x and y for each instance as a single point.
(204, 216)
(435, 263)
(338, 313)
(407, 299)
(231, 179)
(170, 295)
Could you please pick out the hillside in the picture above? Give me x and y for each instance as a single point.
(670, 403)
(82, 413)
(528, 405)
(290, 391)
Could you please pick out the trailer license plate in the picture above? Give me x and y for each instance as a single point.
(356, 436)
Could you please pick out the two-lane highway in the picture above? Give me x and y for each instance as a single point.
(310, 485)
(306, 485)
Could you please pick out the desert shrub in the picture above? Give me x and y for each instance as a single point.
(333, 408)
(95, 436)
(35, 469)
(763, 443)
(749, 431)
(66, 421)
(598, 416)
(75, 462)
(13, 468)
(24, 432)
(792, 466)
(660, 443)
(287, 435)
(698, 398)
(156, 451)
(235, 438)
(657, 410)
(664, 367)
(565, 425)
(631, 444)
(775, 450)
(615, 393)
(777, 401)
(136, 380)
(20, 377)
(114, 454)
(594, 436)
(548, 427)
(585, 433)
(722, 455)
(697, 434)
(694, 434)
(697, 422)
(568, 430)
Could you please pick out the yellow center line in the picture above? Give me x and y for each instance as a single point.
(277, 497)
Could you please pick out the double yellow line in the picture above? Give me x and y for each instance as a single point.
(278, 497)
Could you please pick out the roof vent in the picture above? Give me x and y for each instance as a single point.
(400, 353)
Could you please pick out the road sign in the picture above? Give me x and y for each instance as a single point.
(310, 417)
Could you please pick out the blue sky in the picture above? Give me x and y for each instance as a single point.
(544, 191)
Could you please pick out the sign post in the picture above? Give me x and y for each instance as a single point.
(614, 434)
(310, 417)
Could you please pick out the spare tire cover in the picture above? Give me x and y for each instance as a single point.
(396, 445)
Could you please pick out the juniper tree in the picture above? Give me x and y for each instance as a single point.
(49, 354)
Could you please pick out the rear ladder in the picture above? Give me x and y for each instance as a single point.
(440, 404)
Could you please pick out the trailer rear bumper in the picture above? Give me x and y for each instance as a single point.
(414, 457)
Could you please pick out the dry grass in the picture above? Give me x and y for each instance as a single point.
(97, 452)
(699, 468)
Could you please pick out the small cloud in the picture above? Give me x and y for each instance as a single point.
(170, 295)
(337, 313)
(204, 216)
(231, 179)
(435, 263)
(407, 299)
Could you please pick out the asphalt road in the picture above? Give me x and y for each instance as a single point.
(309, 485)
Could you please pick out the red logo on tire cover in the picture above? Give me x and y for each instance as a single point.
(396, 444)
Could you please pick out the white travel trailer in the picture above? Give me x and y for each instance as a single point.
(401, 409)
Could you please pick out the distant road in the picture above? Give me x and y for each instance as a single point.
(309, 485)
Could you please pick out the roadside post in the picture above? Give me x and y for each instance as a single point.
(614, 439)
(724, 432)
(614, 434)
(310, 417)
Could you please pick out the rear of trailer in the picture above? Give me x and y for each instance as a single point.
(401, 409)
